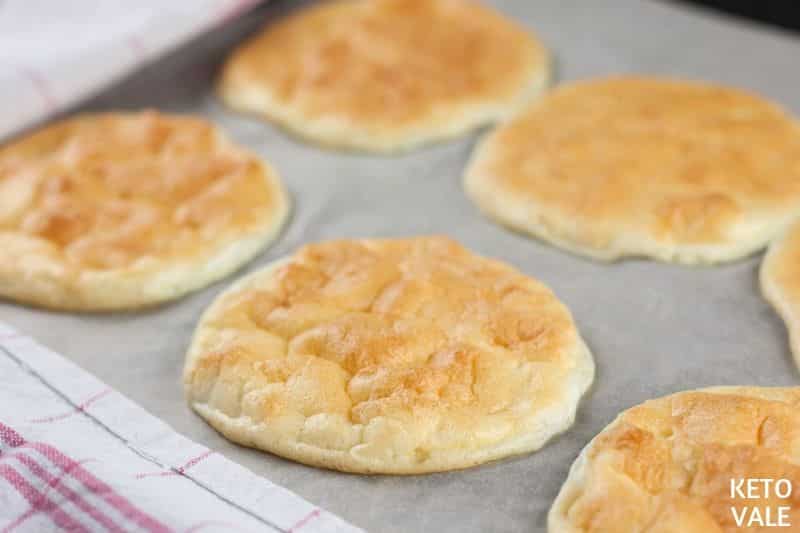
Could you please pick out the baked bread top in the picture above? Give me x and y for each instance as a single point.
(634, 166)
(117, 210)
(667, 465)
(386, 75)
(395, 356)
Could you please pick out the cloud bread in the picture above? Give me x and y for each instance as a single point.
(631, 166)
(121, 210)
(388, 356)
(386, 75)
(780, 283)
(666, 465)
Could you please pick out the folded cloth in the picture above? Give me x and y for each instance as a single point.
(53, 54)
(78, 456)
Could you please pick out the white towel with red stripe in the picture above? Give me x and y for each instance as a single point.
(55, 53)
(78, 456)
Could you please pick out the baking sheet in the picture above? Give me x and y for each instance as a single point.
(653, 328)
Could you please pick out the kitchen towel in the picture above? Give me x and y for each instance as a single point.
(53, 54)
(78, 456)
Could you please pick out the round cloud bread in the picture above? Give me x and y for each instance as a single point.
(121, 210)
(780, 283)
(673, 170)
(666, 465)
(386, 75)
(388, 356)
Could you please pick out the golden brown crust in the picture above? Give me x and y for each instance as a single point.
(780, 283)
(394, 356)
(674, 170)
(666, 465)
(120, 210)
(386, 75)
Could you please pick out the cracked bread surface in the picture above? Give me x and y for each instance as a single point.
(388, 356)
(386, 75)
(673, 170)
(122, 210)
(666, 465)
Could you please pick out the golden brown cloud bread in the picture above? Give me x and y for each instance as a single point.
(393, 356)
(666, 465)
(674, 170)
(780, 282)
(120, 210)
(386, 75)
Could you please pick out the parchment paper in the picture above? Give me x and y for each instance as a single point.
(653, 328)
